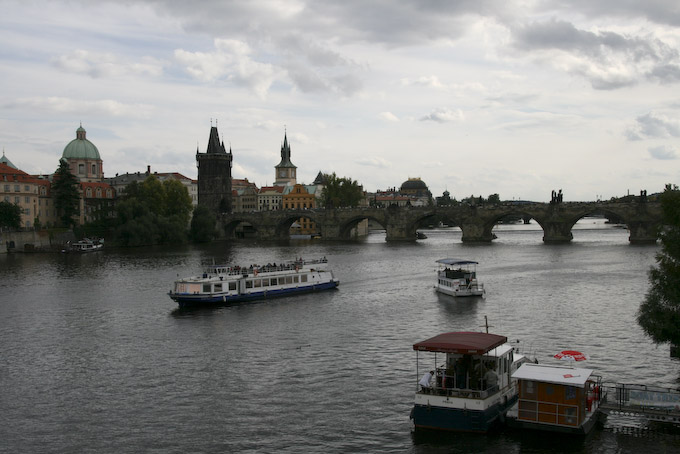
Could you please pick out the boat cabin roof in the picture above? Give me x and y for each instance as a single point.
(466, 343)
(457, 262)
(560, 375)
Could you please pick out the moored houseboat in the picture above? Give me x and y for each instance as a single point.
(557, 399)
(458, 277)
(223, 284)
(470, 386)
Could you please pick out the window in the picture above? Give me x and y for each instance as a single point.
(27, 199)
(16, 200)
(303, 278)
(232, 286)
(27, 188)
(94, 169)
(6, 188)
(89, 192)
(218, 287)
(17, 188)
(206, 287)
(249, 284)
(81, 169)
(273, 281)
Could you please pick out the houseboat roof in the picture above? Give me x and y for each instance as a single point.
(560, 375)
(469, 343)
(457, 262)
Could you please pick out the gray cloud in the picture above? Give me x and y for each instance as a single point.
(663, 153)
(607, 59)
(443, 115)
(653, 125)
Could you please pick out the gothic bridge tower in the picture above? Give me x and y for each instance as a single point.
(214, 175)
(285, 170)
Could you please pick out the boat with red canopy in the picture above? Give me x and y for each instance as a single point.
(467, 384)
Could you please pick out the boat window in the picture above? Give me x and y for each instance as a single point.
(249, 284)
(295, 279)
(206, 288)
(529, 390)
(289, 279)
(273, 281)
(232, 286)
(265, 282)
(303, 278)
(257, 283)
(218, 287)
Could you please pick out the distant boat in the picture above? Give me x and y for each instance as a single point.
(85, 245)
(457, 277)
(420, 235)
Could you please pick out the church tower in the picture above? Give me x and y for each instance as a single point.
(214, 175)
(285, 170)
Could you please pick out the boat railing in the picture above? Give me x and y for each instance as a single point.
(219, 270)
(464, 393)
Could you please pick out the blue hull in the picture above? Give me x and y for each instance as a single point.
(460, 420)
(192, 300)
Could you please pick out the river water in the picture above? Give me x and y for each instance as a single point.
(96, 358)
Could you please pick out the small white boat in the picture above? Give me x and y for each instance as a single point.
(471, 386)
(556, 399)
(223, 284)
(85, 245)
(457, 277)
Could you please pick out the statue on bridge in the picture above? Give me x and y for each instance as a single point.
(556, 197)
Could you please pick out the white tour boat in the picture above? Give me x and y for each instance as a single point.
(458, 277)
(467, 384)
(220, 284)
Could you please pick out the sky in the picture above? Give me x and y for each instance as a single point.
(476, 97)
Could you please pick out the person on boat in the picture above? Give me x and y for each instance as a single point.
(490, 378)
(425, 381)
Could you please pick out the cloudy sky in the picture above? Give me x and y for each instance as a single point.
(475, 97)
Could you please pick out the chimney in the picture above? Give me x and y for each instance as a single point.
(148, 170)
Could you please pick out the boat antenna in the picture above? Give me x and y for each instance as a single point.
(486, 324)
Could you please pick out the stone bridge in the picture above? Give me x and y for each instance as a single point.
(476, 222)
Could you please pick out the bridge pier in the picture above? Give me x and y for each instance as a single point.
(642, 232)
(476, 232)
(556, 232)
(399, 233)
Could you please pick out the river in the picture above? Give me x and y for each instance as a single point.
(96, 358)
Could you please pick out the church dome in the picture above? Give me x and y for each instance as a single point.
(414, 184)
(81, 148)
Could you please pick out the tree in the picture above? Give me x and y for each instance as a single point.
(659, 313)
(10, 215)
(152, 212)
(340, 192)
(202, 225)
(65, 194)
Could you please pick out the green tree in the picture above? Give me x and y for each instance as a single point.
(65, 194)
(341, 192)
(659, 313)
(202, 225)
(10, 215)
(152, 212)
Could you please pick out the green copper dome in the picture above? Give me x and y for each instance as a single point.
(80, 147)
